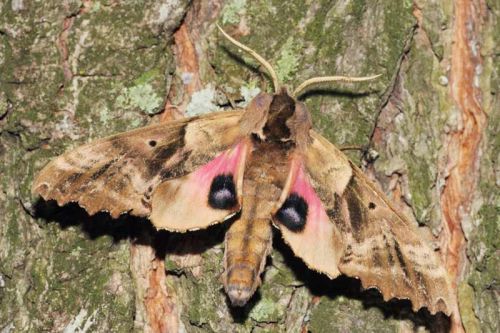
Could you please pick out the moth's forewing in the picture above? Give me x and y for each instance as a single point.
(388, 251)
(120, 173)
(351, 228)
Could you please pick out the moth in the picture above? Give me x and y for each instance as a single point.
(266, 164)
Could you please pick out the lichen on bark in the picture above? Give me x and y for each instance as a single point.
(77, 70)
(63, 67)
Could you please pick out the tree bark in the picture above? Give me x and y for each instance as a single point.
(72, 71)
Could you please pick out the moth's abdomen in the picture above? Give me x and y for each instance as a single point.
(248, 240)
(248, 243)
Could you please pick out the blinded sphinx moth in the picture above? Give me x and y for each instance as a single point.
(268, 164)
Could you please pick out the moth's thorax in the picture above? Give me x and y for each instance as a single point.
(265, 176)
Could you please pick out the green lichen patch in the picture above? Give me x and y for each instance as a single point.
(229, 59)
(346, 315)
(73, 265)
(144, 94)
(59, 270)
(414, 119)
(421, 181)
(203, 295)
(466, 304)
(248, 92)
(202, 101)
(288, 61)
(483, 251)
(233, 11)
(333, 112)
(267, 310)
(103, 45)
(141, 96)
(99, 105)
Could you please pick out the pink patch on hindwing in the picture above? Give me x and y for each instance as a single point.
(302, 208)
(303, 187)
(225, 163)
(312, 237)
(205, 196)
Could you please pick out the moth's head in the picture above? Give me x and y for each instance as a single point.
(277, 117)
(280, 117)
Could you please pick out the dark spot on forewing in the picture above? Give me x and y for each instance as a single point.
(371, 205)
(222, 194)
(356, 213)
(390, 258)
(334, 213)
(401, 260)
(73, 178)
(162, 153)
(293, 213)
(376, 258)
(102, 170)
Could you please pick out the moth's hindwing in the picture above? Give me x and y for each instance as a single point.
(304, 223)
(206, 196)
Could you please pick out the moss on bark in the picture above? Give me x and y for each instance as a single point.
(77, 70)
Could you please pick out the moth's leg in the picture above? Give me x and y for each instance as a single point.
(248, 243)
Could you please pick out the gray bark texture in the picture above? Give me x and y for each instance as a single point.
(75, 70)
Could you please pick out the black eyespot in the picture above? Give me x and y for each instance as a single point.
(222, 193)
(293, 213)
(371, 205)
(152, 143)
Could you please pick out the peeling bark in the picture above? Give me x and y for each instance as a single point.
(462, 169)
(463, 142)
(187, 64)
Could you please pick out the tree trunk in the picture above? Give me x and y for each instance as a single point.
(75, 70)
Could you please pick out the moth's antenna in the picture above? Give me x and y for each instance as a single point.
(256, 56)
(323, 79)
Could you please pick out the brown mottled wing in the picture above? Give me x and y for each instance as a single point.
(361, 235)
(120, 173)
